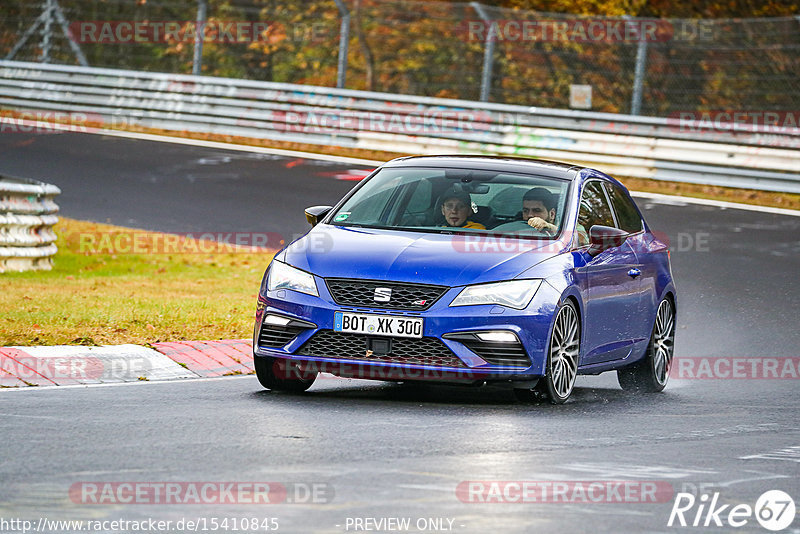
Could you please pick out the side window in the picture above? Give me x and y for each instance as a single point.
(594, 207)
(627, 215)
(594, 210)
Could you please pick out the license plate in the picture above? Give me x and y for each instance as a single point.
(377, 325)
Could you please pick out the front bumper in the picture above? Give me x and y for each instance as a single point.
(448, 353)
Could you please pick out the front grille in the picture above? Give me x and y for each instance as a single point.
(506, 354)
(352, 292)
(424, 351)
(277, 336)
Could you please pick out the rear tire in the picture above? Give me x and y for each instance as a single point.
(279, 374)
(651, 373)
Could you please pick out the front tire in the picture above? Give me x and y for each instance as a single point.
(562, 360)
(651, 373)
(279, 374)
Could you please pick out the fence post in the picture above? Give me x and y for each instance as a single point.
(344, 43)
(47, 32)
(51, 8)
(638, 77)
(71, 39)
(197, 60)
(488, 52)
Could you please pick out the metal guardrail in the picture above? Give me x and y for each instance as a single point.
(728, 154)
(27, 239)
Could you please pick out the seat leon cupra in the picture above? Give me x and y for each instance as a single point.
(471, 269)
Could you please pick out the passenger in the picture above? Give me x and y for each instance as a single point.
(539, 210)
(457, 208)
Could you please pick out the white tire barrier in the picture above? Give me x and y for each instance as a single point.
(27, 217)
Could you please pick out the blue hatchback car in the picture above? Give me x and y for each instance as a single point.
(471, 269)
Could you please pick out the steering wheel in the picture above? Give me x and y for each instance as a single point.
(518, 227)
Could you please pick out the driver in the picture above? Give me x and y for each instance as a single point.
(457, 208)
(539, 209)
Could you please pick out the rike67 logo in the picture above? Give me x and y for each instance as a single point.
(774, 510)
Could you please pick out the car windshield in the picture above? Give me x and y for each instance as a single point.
(457, 201)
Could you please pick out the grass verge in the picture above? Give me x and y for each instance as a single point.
(131, 294)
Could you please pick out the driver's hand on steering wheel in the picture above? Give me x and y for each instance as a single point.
(541, 224)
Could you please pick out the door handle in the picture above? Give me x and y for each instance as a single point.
(633, 273)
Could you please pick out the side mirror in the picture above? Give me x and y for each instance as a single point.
(315, 213)
(604, 237)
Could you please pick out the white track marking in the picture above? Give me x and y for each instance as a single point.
(671, 199)
(119, 384)
(241, 148)
(207, 144)
(791, 454)
(751, 479)
(30, 416)
(610, 470)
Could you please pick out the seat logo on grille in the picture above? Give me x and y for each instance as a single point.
(382, 294)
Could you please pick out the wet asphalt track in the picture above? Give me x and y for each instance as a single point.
(392, 451)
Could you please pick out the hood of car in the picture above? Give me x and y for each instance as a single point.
(425, 258)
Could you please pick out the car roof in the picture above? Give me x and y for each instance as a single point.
(552, 169)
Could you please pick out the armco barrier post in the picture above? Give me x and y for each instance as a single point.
(488, 52)
(197, 58)
(344, 43)
(638, 77)
(47, 33)
(638, 80)
(27, 216)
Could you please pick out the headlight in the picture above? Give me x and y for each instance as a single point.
(514, 294)
(283, 276)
